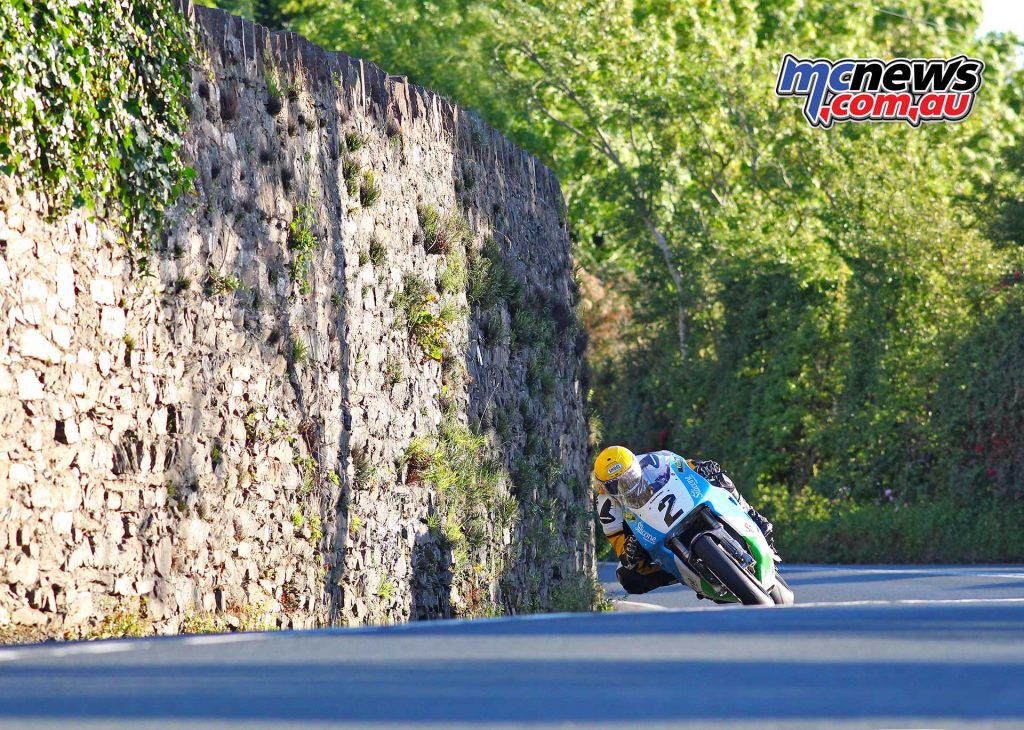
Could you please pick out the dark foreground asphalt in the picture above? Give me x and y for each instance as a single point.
(951, 661)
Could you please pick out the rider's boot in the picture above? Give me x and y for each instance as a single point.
(767, 530)
(642, 579)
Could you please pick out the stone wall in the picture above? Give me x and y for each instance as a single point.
(209, 435)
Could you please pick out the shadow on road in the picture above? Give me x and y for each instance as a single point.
(1017, 585)
(836, 578)
(431, 578)
(523, 692)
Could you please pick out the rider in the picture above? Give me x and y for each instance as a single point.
(637, 573)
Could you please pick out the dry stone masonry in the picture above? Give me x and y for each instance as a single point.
(250, 425)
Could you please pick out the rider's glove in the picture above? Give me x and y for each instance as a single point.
(712, 471)
(707, 469)
(633, 552)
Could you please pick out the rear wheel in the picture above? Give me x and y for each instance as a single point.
(732, 576)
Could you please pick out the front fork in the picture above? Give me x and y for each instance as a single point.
(710, 526)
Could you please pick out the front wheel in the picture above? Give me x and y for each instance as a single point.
(781, 593)
(732, 576)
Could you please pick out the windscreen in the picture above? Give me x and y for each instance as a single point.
(637, 495)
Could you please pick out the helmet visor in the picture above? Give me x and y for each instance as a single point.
(625, 482)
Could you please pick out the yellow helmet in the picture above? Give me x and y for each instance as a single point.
(614, 465)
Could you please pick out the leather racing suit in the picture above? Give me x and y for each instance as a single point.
(637, 573)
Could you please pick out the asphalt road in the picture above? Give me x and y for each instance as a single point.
(860, 583)
(869, 648)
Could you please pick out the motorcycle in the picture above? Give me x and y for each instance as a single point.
(701, 535)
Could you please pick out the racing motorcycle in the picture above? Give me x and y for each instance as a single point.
(701, 535)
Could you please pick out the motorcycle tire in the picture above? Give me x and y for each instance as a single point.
(732, 576)
(782, 594)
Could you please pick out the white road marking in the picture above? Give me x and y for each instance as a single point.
(121, 645)
(413, 625)
(908, 602)
(226, 638)
(946, 571)
(627, 606)
(114, 646)
(842, 604)
(924, 571)
(823, 604)
(91, 647)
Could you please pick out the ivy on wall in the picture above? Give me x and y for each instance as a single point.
(92, 106)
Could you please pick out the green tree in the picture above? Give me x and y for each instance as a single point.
(825, 271)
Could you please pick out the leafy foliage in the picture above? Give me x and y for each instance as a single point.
(350, 172)
(93, 106)
(472, 484)
(217, 283)
(829, 275)
(378, 253)
(354, 141)
(491, 280)
(364, 471)
(125, 620)
(298, 351)
(847, 532)
(234, 618)
(579, 593)
(455, 276)
(303, 244)
(978, 402)
(415, 305)
(369, 189)
(443, 233)
(275, 101)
